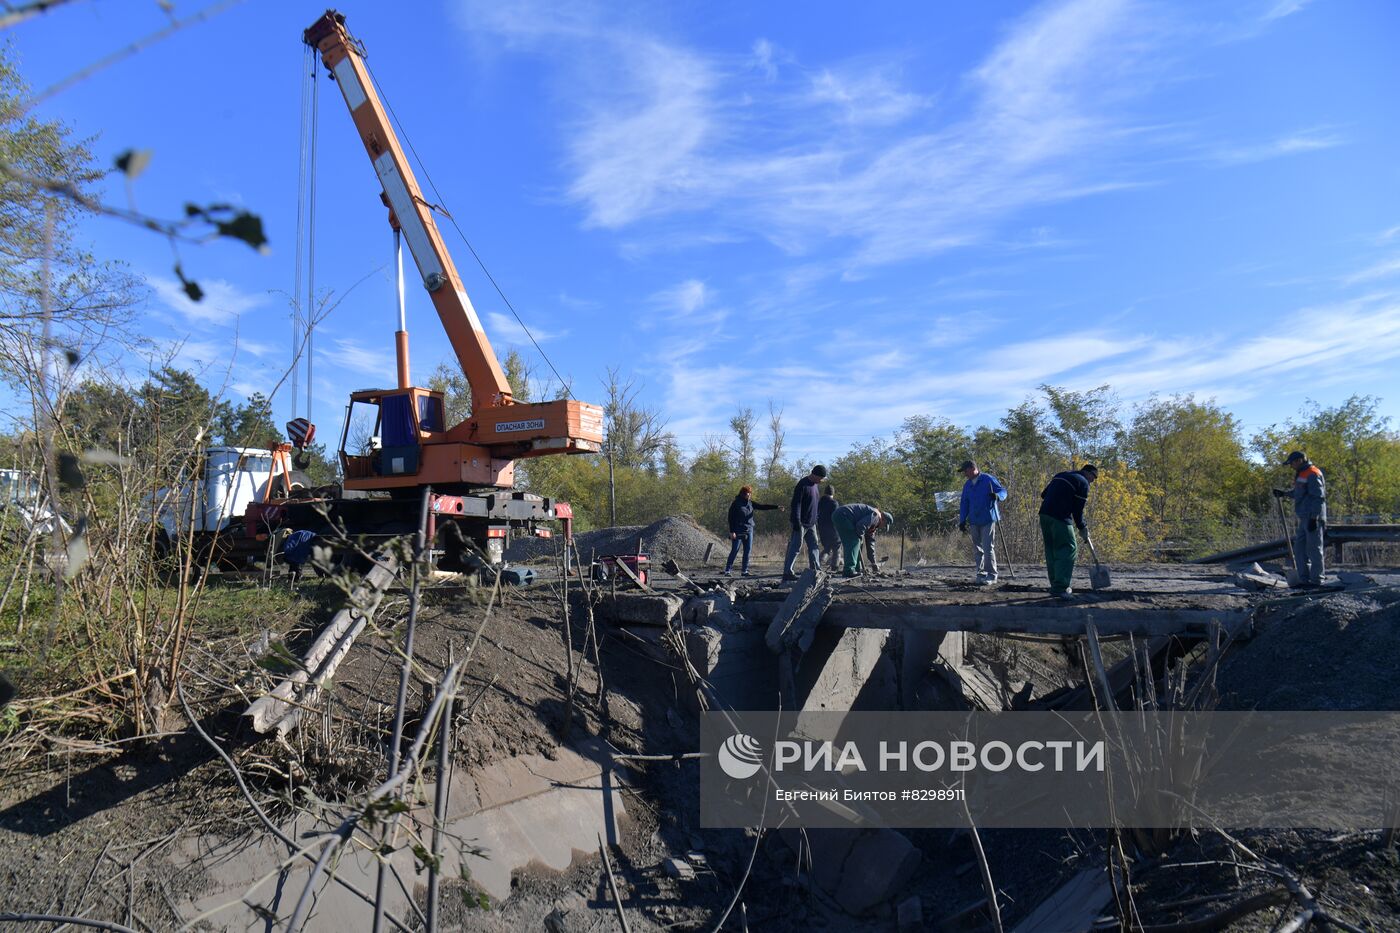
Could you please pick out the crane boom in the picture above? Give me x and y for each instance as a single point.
(412, 446)
(412, 213)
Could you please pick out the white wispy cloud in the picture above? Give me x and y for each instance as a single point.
(1281, 8)
(1382, 269)
(504, 328)
(763, 58)
(664, 129)
(870, 390)
(346, 353)
(682, 299)
(1287, 145)
(633, 155)
(223, 302)
(868, 97)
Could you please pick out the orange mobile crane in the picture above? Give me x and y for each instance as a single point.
(470, 466)
(418, 448)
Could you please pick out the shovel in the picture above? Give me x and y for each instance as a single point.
(1098, 575)
(1292, 574)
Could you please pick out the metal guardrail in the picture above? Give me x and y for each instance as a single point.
(1337, 535)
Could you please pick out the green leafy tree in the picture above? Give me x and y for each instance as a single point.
(1192, 462)
(931, 450)
(877, 474)
(250, 424)
(1082, 425)
(89, 301)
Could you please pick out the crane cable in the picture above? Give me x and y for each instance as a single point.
(311, 228)
(301, 230)
(304, 315)
(442, 209)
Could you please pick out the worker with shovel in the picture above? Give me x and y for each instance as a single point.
(1062, 501)
(1309, 495)
(978, 516)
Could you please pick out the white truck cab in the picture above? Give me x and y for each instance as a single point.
(227, 479)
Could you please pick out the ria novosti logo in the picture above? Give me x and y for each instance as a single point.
(740, 756)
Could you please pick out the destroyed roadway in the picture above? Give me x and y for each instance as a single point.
(1144, 601)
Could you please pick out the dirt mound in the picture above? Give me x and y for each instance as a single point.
(1334, 653)
(678, 537)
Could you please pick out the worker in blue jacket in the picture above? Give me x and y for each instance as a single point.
(978, 516)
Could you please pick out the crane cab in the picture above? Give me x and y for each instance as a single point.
(398, 438)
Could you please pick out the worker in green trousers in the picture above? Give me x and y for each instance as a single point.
(1061, 512)
(856, 526)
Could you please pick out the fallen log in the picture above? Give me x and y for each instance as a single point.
(283, 706)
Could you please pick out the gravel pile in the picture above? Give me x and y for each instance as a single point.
(1334, 653)
(677, 537)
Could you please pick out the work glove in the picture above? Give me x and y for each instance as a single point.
(1281, 493)
(962, 526)
(1083, 530)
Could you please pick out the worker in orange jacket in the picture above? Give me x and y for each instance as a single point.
(1309, 495)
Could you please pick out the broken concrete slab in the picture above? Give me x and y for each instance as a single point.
(909, 915)
(825, 850)
(1259, 581)
(715, 608)
(640, 608)
(737, 666)
(859, 868)
(1073, 908)
(680, 869)
(1043, 619)
(803, 592)
(534, 810)
(574, 916)
(880, 864)
(839, 672)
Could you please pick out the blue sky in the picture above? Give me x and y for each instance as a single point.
(860, 213)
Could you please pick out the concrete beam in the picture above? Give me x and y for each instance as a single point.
(1039, 620)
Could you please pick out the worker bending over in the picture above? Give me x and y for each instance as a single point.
(857, 524)
(1062, 501)
(978, 516)
(1309, 495)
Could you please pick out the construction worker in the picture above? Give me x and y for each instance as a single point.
(741, 527)
(978, 516)
(1309, 495)
(803, 518)
(856, 525)
(1062, 501)
(297, 552)
(826, 531)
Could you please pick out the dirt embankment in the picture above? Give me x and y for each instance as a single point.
(1340, 652)
(677, 537)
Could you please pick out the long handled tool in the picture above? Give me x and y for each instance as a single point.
(1006, 552)
(1292, 574)
(1098, 576)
